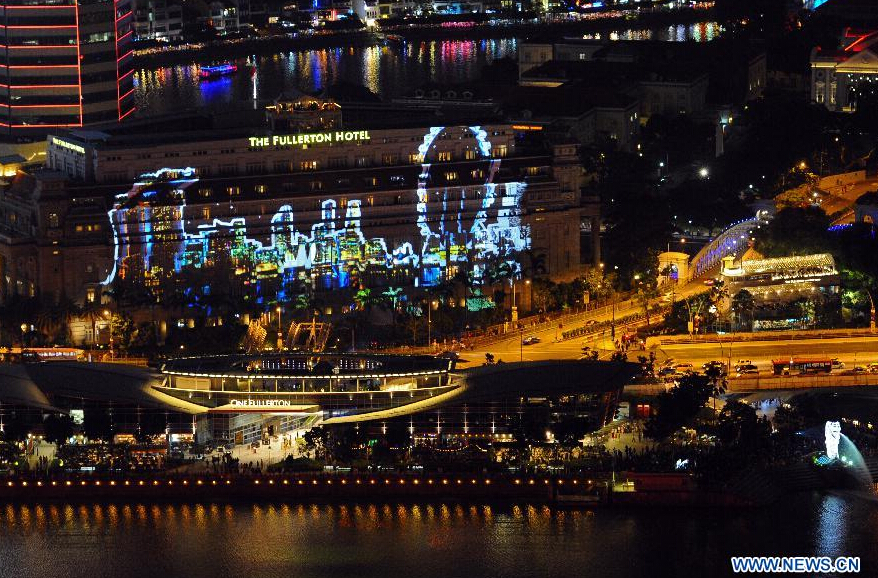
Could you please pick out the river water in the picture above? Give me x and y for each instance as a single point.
(386, 70)
(422, 541)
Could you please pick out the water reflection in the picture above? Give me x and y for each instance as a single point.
(385, 70)
(428, 540)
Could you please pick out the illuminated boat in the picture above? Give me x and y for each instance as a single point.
(217, 70)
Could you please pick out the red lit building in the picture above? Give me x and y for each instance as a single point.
(64, 63)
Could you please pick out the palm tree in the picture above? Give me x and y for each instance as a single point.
(92, 312)
(716, 379)
(646, 294)
(743, 305)
(718, 293)
(364, 299)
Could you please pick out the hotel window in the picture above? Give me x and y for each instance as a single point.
(371, 181)
(337, 162)
(260, 189)
(499, 151)
(416, 158)
(78, 228)
(833, 89)
(53, 220)
(291, 187)
(309, 165)
(533, 171)
(281, 166)
(204, 193)
(444, 156)
(469, 155)
(820, 89)
(205, 212)
(361, 162)
(451, 176)
(343, 183)
(233, 191)
(255, 168)
(477, 174)
(90, 295)
(370, 200)
(227, 169)
(316, 185)
(389, 159)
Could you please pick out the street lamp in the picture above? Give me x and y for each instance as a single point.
(514, 312)
(280, 335)
(704, 172)
(430, 322)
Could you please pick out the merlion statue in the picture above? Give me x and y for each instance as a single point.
(833, 435)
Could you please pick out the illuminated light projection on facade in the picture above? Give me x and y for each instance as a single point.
(333, 252)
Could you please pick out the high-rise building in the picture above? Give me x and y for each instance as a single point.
(64, 63)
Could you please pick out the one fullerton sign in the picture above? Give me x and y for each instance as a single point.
(284, 140)
(264, 406)
(260, 403)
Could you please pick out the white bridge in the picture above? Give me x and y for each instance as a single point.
(731, 242)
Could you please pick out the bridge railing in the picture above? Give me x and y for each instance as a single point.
(729, 242)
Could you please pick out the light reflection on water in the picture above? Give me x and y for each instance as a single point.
(386, 70)
(429, 540)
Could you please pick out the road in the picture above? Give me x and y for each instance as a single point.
(840, 198)
(549, 347)
(851, 351)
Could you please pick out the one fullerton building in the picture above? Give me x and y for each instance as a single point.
(370, 207)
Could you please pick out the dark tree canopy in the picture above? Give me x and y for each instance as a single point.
(795, 231)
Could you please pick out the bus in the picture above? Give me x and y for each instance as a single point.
(797, 365)
(35, 354)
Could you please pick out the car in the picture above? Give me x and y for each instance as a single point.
(591, 322)
(747, 369)
(857, 370)
(836, 363)
(717, 366)
(743, 363)
(666, 372)
(872, 367)
(684, 367)
(530, 340)
(710, 282)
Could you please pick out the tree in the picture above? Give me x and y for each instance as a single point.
(121, 330)
(58, 429)
(679, 405)
(743, 305)
(717, 294)
(738, 426)
(646, 295)
(795, 231)
(316, 440)
(717, 380)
